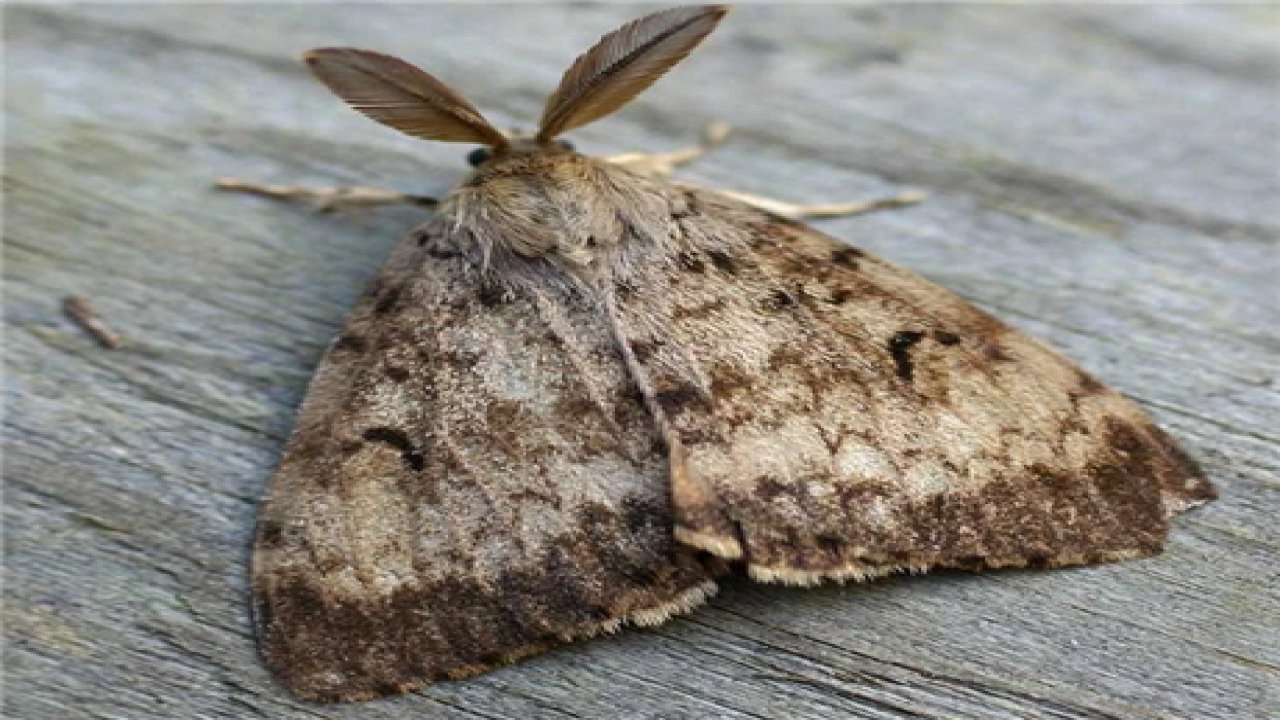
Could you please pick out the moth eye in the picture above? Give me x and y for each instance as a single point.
(478, 156)
(565, 145)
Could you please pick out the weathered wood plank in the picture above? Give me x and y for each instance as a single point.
(1102, 176)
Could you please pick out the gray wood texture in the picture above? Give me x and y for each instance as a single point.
(1102, 176)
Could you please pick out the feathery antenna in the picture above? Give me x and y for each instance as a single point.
(395, 93)
(624, 64)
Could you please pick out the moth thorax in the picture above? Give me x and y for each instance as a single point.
(559, 211)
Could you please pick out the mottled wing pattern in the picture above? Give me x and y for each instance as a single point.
(471, 480)
(841, 418)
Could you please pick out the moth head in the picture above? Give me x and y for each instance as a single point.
(516, 145)
(620, 66)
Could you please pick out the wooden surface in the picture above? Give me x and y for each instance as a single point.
(1104, 177)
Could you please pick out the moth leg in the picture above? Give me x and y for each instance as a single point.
(661, 165)
(821, 210)
(328, 199)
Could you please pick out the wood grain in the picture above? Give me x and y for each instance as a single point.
(1101, 176)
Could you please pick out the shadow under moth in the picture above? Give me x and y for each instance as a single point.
(581, 391)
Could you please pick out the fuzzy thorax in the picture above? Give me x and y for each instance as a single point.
(550, 203)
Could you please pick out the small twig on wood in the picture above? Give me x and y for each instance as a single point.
(77, 308)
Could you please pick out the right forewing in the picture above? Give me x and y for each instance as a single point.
(840, 417)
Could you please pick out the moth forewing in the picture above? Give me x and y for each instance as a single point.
(841, 418)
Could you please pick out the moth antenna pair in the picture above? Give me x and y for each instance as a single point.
(620, 66)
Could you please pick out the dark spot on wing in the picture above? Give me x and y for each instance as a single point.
(491, 295)
(703, 310)
(409, 453)
(415, 460)
(763, 233)
(542, 217)
(673, 399)
(537, 497)
(946, 338)
(631, 393)
(840, 296)
(502, 420)
(785, 221)
(640, 514)
(387, 301)
(1047, 476)
(785, 356)
(691, 262)
(768, 488)
(460, 359)
(831, 547)
(270, 533)
(846, 257)
(723, 261)
(576, 407)
(396, 374)
(553, 338)
(354, 343)
(991, 350)
(691, 205)
(643, 350)
(900, 348)
(726, 379)
(443, 253)
(1089, 385)
(781, 300)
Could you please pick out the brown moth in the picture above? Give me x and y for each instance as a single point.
(580, 392)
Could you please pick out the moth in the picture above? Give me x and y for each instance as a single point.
(580, 392)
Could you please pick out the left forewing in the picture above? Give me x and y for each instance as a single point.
(840, 417)
(471, 480)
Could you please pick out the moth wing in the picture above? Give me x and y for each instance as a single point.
(471, 480)
(840, 417)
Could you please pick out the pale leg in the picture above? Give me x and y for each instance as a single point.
(826, 210)
(662, 165)
(328, 198)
